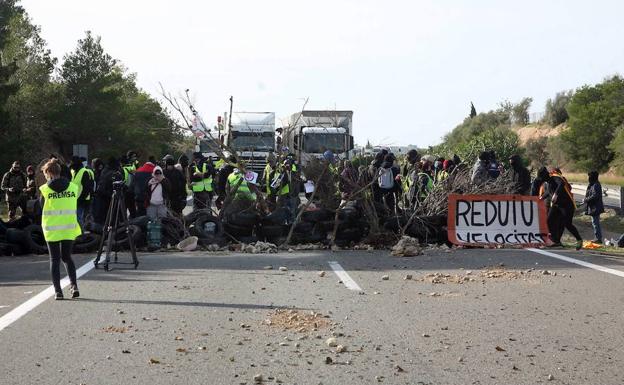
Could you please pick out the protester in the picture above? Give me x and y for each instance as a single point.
(593, 204)
(157, 196)
(494, 168)
(222, 180)
(562, 209)
(438, 168)
(239, 187)
(82, 178)
(31, 184)
(177, 196)
(59, 199)
(267, 179)
(424, 181)
(104, 191)
(519, 175)
(373, 173)
(202, 174)
(387, 181)
(348, 180)
(14, 184)
(447, 168)
(138, 186)
(183, 165)
(480, 171)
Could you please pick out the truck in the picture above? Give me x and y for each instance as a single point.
(308, 134)
(252, 136)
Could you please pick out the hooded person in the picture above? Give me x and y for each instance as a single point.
(222, 180)
(14, 184)
(387, 181)
(594, 206)
(519, 175)
(31, 184)
(157, 195)
(373, 172)
(138, 186)
(480, 170)
(178, 185)
(562, 209)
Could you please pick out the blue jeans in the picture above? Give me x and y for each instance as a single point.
(596, 226)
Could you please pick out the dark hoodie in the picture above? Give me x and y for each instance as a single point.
(58, 185)
(519, 175)
(593, 196)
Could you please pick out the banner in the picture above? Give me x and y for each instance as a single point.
(505, 220)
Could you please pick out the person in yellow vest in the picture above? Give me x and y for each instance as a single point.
(268, 175)
(202, 181)
(83, 178)
(237, 185)
(59, 199)
(129, 164)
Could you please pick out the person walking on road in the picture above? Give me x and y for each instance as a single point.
(593, 204)
(562, 210)
(59, 199)
(14, 184)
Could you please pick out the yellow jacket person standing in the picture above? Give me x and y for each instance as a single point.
(60, 224)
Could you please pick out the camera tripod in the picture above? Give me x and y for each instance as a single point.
(116, 218)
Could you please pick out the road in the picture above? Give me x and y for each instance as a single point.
(612, 199)
(201, 318)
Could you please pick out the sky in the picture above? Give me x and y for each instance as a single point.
(408, 69)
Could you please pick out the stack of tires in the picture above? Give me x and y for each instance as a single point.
(427, 229)
(274, 227)
(242, 226)
(206, 227)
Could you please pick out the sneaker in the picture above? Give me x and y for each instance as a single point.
(74, 291)
(58, 296)
(579, 244)
(557, 244)
(597, 241)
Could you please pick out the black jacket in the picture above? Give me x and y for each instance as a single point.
(522, 180)
(86, 182)
(177, 183)
(593, 199)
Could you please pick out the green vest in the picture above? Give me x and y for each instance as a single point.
(428, 187)
(59, 221)
(128, 170)
(267, 178)
(243, 191)
(77, 179)
(204, 184)
(219, 163)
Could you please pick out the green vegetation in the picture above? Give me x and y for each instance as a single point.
(556, 109)
(92, 101)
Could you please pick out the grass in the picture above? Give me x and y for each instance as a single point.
(610, 221)
(606, 179)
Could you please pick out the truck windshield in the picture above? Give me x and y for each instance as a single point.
(257, 141)
(318, 143)
(208, 145)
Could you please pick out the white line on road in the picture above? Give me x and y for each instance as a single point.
(579, 262)
(344, 277)
(37, 300)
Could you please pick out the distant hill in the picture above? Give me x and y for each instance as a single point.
(535, 131)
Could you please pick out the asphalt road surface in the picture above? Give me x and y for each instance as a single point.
(202, 318)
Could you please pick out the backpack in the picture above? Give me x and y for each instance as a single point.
(385, 178)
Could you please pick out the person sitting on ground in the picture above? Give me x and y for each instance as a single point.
(519, 175)
(594, 205)
(157, 197)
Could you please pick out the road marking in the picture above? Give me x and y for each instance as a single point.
(344, 277)
(579, 262)
(37, 300)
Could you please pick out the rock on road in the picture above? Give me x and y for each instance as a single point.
(458, 317)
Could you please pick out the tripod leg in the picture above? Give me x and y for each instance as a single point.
(112, 229)
(105, 231)
(124, 216)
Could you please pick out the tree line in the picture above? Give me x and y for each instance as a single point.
(88, 97)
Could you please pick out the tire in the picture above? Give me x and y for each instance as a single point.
(194, 215)
(325, 226)
(243, 219)
(207, 228)
(95, 228)
(308, 238)
(17, 237)
(237, 231)
(348, 214)
(15, 249)
(140, 221)
(280, 216)
(121, 241)
(86, 243)
(172, 230)
(270, 232)
(247, 239)
(316, 215)
(395, 223)
(350, 234)
(35, 239)
(304, 228)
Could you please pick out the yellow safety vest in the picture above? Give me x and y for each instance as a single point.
(442, 175)
(128, 169)
(204, 184)
(428, 186)
(243, 191)
(267, 178)
(219, 163)
(59, 221)
(77, 179)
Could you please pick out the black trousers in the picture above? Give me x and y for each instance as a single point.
(61, 250)
(560, 218)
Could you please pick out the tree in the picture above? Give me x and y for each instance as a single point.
(556, 109)
(595, 114)
(520, 112)
(473, 111)
(536, 152)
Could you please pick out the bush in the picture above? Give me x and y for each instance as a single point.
(556, 111)
(536, 151)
